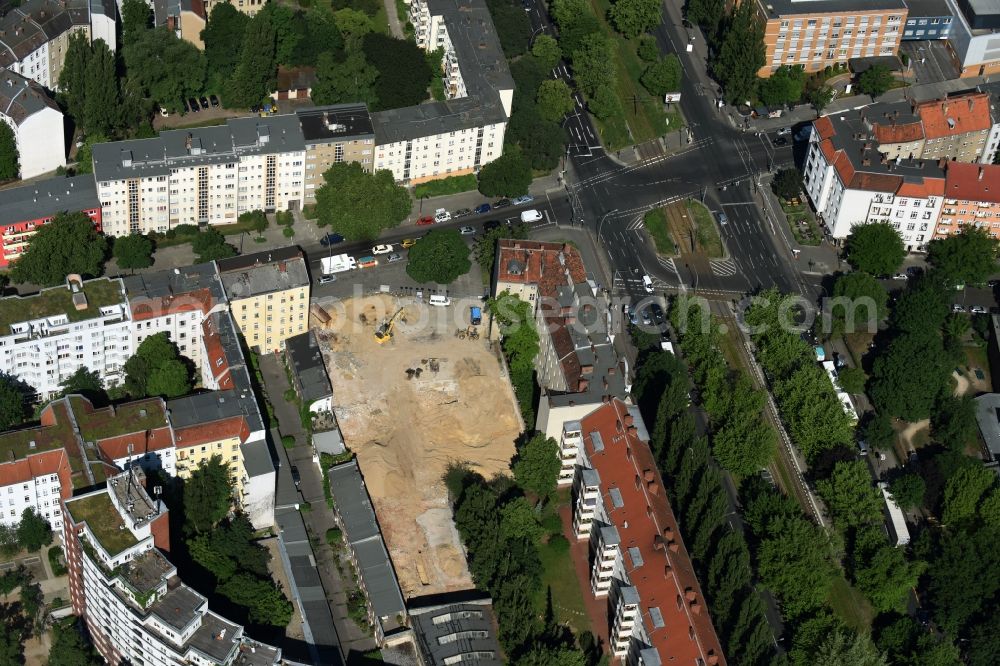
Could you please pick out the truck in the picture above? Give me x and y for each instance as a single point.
(896, 517)
(475, 315)
(338, 263)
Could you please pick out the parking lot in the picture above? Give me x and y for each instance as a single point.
(930, 61)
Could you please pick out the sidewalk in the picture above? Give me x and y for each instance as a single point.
(819, 259)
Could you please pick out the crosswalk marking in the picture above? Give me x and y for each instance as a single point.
(723, 267)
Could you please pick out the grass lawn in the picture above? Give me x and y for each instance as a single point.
(381, 20)
(645, 117)
(442, 186)
(655, 222)
(850, 605)
(706, 231)
(802, 223)
(559, 574)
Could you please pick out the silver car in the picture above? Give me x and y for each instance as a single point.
(393, 257)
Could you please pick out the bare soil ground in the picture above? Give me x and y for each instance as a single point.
(406, 431)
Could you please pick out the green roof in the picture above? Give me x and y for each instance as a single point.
(100, 292)
(16, 445)
(104, 521)
(130, 417)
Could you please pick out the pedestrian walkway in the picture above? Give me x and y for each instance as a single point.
(395, 21)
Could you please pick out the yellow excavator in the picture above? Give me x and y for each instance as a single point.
(384, 332)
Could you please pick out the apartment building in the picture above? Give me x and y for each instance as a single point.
(136, 607)
(202, 176)
(175, 302)
(459, 135)
(638, 564)
(268, 294)
(37, 124)
(819, 33)
(971, 199)
(927, 19)
(185, 18)
(46, 337)
(975, 36)
(962, 127)
(850, 182)
(24, 209)
(34, 37)
(332, 134)
(249, 7)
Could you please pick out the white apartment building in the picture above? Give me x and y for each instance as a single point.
(464, 132)
(136, 608)
(37, 124)
(203, 176)
(850, 182)
(34, 37)
(34, 483)
(81, 324)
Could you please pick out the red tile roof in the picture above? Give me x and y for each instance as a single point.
(235, 426)
(903, 133)
(149, 308)
(928, 187)
(38, 464)
(216, 354)
(666, 578)
(973, 182)
(116, 448)
(968, 113)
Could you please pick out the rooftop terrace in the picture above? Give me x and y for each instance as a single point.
(104, 521)
(54, 301)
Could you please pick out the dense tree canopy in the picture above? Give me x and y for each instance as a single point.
(787, 183)
(555, 99)
(9, 158)
(223, 38)
(633, 17)
(908, 379)
(68, 244)
(33, 532)
(210, 245)
(167, 68)
(134, 251)
(850, 495)
(87, 383)
(69, 647)
(157, 369)
(255, 75)
(876, 80)
(358, 204)
(663, 76)
(875, 248)
(403, 72)
(966, 258)
(784, 86)
(859, 303)
(793, 561)
(536, 465)
(352, 80)
(882, 571)
(15, 395)
(441, 257)
(594, 63)
(508, 175)
(741, 54)
(547, 50)
(207, 496)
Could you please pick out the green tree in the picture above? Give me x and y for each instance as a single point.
(403, 72)
(877, 430)
(964, 490)
(604, 103)
(352, 80)
(207, 495)
(859, 303)
(136, 19)
(73, 77)
(289, 29)
(882, 572)
(257, 220)
(12, 637)
(793, 562)
(922, 307)
(820, 97)
(554, 100)
(170, 379)
(908, 490)
(961, 580)
(358, 204)
(485, 247)
(876, 80)
(784, 86)
(907, 380)
(741, 54)
(787, 183)
(875, 248)
(262, 598)
(663, 76)
(156, 369)
(101, 101)
(353, 25)
(843, 648)
(850, 496)
(87, 383)
(648, 50)
(594, 64)
(68, 244)
(852, 380)
(210, 245)
(69, 647)
(953, 422)
(223, 38)
(576, 21)
(254, 76)
(33, 532)
(166, 67)
(512, 26)
(508, 175)
(133, 251)
(966, 258)
(547, 50)
(551, 655)
(441, 256)
(708, 14)
(633, 17)
(14, 400)
(518, 521)
(9, 158)
(536, 465)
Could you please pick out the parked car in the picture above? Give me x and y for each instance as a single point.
(491, 225)
(899, 276)
(784, 131)
(467, 231)
(914, 271)
(326, 279)
(647, 318)
(531, 215)
(382, 249)
(204, 102)
(441, 215)
(657, 311)
(164, 112)
(780, 141)
(214, 100)
(723, 220)
(630, 311)
(523, 199)
(483, 208)
(331, 239)
(992, 284)
(461, 212)
(647, 284)
(192, 105)
(367, 262)
(501, 203)
(295, 476)
(394, 257)
(425, 220)
(409, 242)
(977, 309)
(957, 307)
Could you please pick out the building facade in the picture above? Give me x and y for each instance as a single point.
(971, 199)
(203, 176)
(136, 608)
(975, 36)
(37, 124)
(927, 19)
(333, 134)
(821, 33)
(268, 294)
(638, 564)
(24, 209)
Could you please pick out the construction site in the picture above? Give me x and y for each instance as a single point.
(415, 389)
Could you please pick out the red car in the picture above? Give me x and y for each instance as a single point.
(424, 221)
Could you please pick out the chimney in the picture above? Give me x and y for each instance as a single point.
(633, 431)
(648, 475)
(674, 547)
(653, 487)
(696, 608)
(689, 594)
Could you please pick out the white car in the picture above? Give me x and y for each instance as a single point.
(382, 249)
(531, 215)
(977, 309)
(441, 215)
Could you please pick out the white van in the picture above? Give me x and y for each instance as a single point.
(439, 301)
(647, 284)
(531, 215)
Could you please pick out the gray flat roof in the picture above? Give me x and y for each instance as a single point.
(263, 272)
(206, 638)
(335, 123)
(447, 631)
(257, 458)
(178, 607)
(927, 8)
(844, 7)
(21, 98)
(174, 282)
(983, 8)
(307, 364)
(988, 419)
(47, 198)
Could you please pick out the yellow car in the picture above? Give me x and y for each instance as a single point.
(409, 242)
